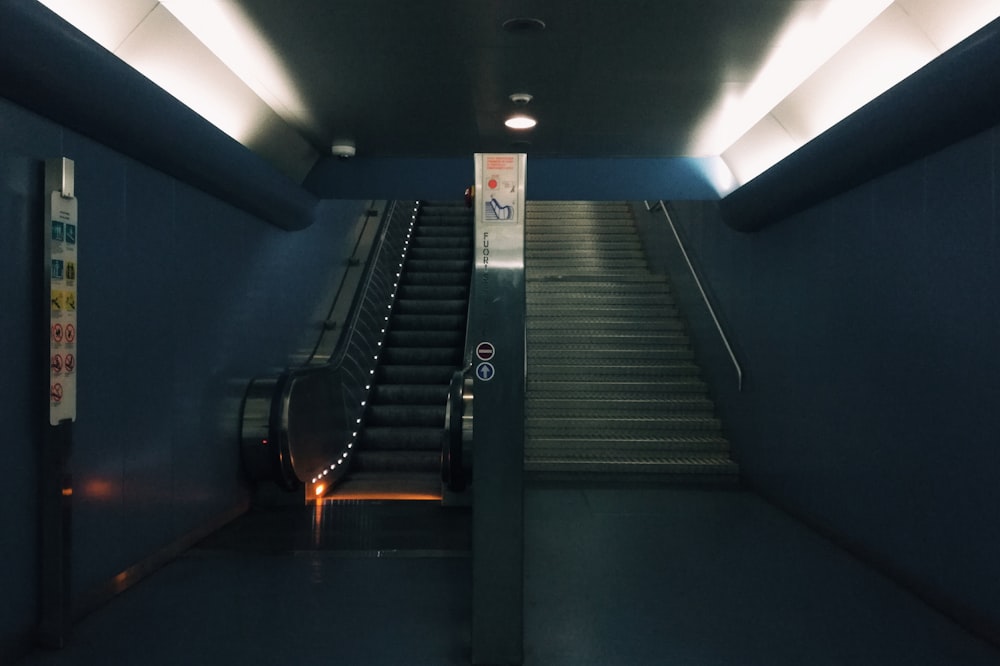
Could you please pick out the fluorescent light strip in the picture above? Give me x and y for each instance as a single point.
(191, 50)
(829, 61)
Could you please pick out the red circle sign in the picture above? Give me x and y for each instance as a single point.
(57, 332)
(70, 333)
(492, 184)
(485, 351)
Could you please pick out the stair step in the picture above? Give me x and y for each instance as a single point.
(625, 370)
(587, 387)
(553, 407)
(604, 324)
(540, 339)
(610, 427)
(684, 465)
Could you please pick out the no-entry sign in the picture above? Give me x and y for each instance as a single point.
(485, 351)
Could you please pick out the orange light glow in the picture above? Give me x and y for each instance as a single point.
(67, 492)
(98, 489)
(319, 489)
(383, 495)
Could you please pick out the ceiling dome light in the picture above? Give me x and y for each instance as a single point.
(520, 122)
(343, 148)
(524, 24)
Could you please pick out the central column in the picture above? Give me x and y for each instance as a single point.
(496, 339)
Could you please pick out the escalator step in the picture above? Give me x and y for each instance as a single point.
(431, 306)
(418, 291)
(397, 461)
(453, 339)
(422, 355)
(435, 278)
(414, 438)
(442, 241)
(414, 374)
(405, 415)
(427, 322)
(438, 253)
(409, 394)
(460, 266)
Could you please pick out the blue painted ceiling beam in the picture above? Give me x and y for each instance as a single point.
(53, 69)
(952, 98)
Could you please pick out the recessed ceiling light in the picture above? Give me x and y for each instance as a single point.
(520, 122)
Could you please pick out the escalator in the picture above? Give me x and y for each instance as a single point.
(613, 388)
(399, 453)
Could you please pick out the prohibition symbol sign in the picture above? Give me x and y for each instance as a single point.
(56, 364)
(57, 392)
(57, 332)
(69, 362)
(485, 351)
(70, 333)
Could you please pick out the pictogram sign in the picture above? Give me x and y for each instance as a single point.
(485, 351)
(485, 371)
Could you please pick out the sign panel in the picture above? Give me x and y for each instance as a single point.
(61, 231)
(485, 351)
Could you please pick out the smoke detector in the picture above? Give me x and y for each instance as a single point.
(520, 98)
(343, 148)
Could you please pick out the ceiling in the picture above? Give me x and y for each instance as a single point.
(433, 78)
(629, 77)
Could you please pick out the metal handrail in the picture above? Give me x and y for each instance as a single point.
(708, 304)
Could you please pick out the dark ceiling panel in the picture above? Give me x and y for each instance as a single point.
(432, 78)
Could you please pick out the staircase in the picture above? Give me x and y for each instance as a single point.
(612, 384)
(399, 452)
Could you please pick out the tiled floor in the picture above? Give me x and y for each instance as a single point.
(639, 576)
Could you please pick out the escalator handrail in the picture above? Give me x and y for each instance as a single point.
(459, 392)
(337, 367)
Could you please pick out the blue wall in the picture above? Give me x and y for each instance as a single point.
(868, 328)
(549, 178)
(182, 300)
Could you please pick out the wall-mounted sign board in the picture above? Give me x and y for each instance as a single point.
(62, 239)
